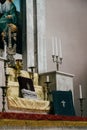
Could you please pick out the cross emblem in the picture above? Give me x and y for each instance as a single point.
(63, 103)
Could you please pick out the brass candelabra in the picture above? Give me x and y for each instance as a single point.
(57, 60)
(18, 67)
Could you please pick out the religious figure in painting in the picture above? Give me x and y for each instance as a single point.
(8, 17)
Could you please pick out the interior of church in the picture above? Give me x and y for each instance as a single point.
(43, 64)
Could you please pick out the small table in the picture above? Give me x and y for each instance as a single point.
(4, 88)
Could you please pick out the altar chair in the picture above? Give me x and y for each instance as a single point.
(17, 102)
(63, 103)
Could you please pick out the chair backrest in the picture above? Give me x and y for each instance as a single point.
(63, 103)
(25, 83)
(14, 85)
(13, 76)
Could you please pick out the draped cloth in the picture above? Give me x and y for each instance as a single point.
(28, 105)
(63, 103)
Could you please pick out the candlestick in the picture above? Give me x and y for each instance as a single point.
(80, 90)
(47, 78)
(56, 43)
(48, 91)
(32, 58)
(3, 97)
(81, 105)
(57, 60)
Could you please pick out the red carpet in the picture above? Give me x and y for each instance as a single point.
(26, 116)
(40, 120)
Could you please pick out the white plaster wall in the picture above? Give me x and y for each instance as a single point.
(67, 19)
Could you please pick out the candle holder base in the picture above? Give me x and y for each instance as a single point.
(32, 71)
(48, 90)
(81, 106)
(4, 89)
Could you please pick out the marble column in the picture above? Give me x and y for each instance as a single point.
(35, 31)
(41, 27)
(29, 33)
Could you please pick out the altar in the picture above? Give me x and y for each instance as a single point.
(21, 120)
(18, 113)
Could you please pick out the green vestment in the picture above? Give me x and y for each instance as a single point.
(4, 21)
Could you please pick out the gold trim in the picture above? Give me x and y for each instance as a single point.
(44, 123)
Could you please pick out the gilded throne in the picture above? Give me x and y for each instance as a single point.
(23, 94)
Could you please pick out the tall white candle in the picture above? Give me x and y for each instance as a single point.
(30, 61)
(56, 43)
(52, 45)
(32, 56)
(60, 49)
(47, 78)
(80, 90)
